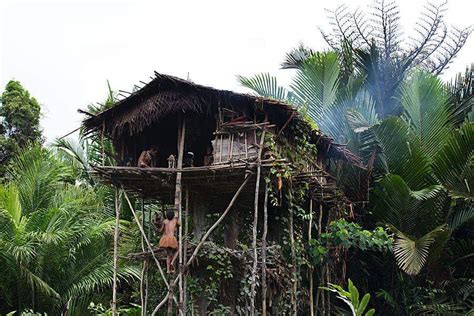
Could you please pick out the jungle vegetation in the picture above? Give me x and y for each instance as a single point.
(409, 249)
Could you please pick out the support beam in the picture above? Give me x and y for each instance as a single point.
(254, 227)
(143, 288)
(116, 241)
(294, 290)
(178, 206)
(311, 285)
(185, 247)
(264, 251)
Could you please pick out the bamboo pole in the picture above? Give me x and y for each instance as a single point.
(311, 285)
(102, 143)
(246, 146)
(264, 252)
(116, 240)
(254, 228)
(319, 292)
(178, 205)
(204, 238)
(293, 257)
(147, 263)
(142, 273)
(231, 146)
(185, 247)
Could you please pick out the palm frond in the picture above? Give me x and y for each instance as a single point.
(412, 253)
(461, 217)
(297, 57)
(424, 99)
(403, 153)
(316, 83)
(10, 203)
(453, 164)
(264, 85)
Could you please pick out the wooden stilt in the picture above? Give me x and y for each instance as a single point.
(311, 285)
(102, 143)
(264, 252)
(293, 257)
(178, 205)
(142, 272)
(147, 264)
(254, 227)
(204, 238)
(185, 248)
(319, 292)
(116, 241)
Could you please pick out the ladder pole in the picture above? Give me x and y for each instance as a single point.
(178, 206)
(185, 247)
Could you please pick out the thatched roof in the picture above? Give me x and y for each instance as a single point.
(165, 95)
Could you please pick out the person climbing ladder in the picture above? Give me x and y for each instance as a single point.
(168, 241)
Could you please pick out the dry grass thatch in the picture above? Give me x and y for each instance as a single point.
(166, 95)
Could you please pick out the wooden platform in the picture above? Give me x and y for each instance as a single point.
(159, 183)
(216, 181)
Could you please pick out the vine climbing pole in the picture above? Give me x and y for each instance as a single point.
(264, 251)
(311, 285)
(254, 227)
(178, 206)
(144, 271)
(320, 293)
(116, 242)
(294, 276)
(185, 248)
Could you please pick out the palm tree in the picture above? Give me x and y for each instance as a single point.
(55, 238)
(420, 162)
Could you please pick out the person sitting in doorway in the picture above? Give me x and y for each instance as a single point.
(209, 157)
(146, 157)
(168, 240)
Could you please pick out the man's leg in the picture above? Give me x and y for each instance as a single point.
(168, 261)
(174, 258)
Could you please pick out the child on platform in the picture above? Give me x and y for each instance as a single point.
(168, 240)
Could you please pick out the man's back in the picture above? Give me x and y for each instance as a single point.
(170, 226)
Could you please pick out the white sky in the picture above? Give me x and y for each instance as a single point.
(64, 51)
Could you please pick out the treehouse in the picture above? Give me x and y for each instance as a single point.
(226, 151)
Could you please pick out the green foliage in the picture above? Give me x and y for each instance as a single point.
(351, 298)
(100, 310)
(265, 85)
(19, 122)
(55, 237)
(348, 235)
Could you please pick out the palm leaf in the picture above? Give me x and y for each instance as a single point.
(461, 217)
(10, 204)
(453, 164)
(316, 83)
(297, 57)
(413, 212)
(403, 153)
(411, 253)
(425, 102)
(264, 85)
